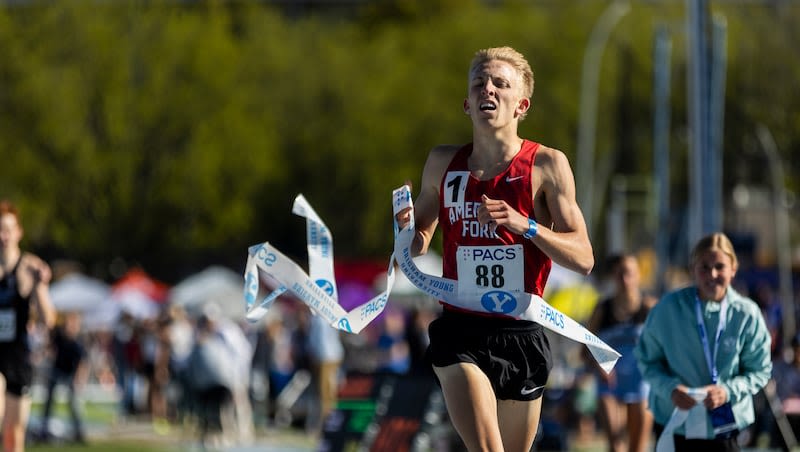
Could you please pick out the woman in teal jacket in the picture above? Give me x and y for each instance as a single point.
(704, 350)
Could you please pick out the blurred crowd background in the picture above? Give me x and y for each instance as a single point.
(177, 356)
(148, 144)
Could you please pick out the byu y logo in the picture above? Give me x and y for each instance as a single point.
(326, 285)
(498, 301)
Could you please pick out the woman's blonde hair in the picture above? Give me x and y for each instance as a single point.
(714, 242)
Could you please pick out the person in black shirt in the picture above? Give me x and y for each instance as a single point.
(68, 369)
(24, 303)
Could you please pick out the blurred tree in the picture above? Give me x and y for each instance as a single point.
(175, 134)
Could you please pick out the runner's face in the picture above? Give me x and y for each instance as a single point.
(628, 277)
(713, 273)
(495, 93)
(10, 232)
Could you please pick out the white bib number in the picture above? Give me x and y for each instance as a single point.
(455, 185)
(492, 274)
(8, 325)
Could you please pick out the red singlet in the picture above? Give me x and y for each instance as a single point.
(460, 197)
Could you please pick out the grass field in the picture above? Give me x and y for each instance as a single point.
(98, 416)
(98, 446)
(92, 412)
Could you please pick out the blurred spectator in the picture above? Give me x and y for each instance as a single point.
(787, 378)
(69, 368)
(99, 356)
(158, 375)
(212, 379)
(770, 305)
(241, 357)
(786, 375)
(418, 340)
(283, 353)
(259, 376)
(584, 403)
(393, 349)
(239, 353)
(180, 334)
(618, 320)
(127, 360)
(326, 352)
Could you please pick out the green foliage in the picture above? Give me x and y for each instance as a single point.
(174, 134)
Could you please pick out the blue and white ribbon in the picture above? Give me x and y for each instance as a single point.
(317, 289)
(694, 418)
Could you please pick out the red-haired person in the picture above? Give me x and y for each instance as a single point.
(24, 280)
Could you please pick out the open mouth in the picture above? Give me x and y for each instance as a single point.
(488, 106)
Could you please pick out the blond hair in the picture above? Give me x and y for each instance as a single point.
(714, 242)
(510, 56)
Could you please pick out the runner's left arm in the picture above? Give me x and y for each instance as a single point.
(41, 274)
(566, 241)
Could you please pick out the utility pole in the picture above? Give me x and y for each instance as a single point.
(705, 73)
(592, 61)
(662, 55)
(783, 243)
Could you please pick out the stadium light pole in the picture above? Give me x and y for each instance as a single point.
(587, 126)
(782, 239)
(706, 44)
(662, 54)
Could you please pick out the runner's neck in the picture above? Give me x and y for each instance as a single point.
(488, 159)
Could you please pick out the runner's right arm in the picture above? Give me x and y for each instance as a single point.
(426, 206)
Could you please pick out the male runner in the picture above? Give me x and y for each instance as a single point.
(501, 191)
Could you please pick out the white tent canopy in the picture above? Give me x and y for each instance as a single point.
(77, 292)
(214, 285)
(89, 296)
(136, 303)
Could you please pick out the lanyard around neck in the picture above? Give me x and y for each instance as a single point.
(711, 354)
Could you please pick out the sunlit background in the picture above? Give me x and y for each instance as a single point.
(168, 136)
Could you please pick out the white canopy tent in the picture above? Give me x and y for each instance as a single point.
(78, 292)
(214, 285)
(89, 296)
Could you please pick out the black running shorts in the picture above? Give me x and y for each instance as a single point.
(16, 367)
(514, 354)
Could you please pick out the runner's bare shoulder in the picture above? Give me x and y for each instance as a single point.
(439, 158)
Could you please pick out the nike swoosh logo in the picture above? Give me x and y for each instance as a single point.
(512, 179)
(526, 391)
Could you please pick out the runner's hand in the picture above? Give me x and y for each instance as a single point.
(403, 217)
(41, 273)
(499, 213)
